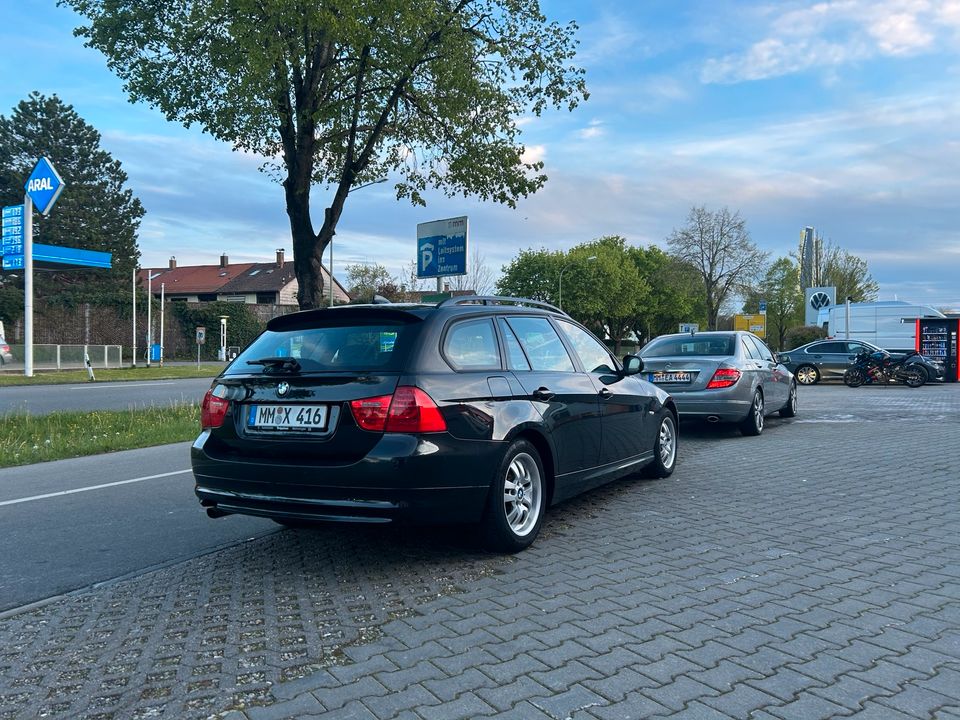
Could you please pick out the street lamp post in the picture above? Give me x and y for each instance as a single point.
(560, 293)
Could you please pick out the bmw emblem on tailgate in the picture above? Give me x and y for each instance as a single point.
(282, 389)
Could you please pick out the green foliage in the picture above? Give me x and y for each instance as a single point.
(348, 91)
(676, 293)
(780, 288)
(242, 325)
(850, 275)
(601, 284)
(11, 304)
(365, 281)
(801, 335)
(94, 212)
(533, 274)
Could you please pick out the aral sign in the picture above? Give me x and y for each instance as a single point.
(44, 186)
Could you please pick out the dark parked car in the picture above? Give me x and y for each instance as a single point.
(478, 410)
(829, 359)
(721, 377)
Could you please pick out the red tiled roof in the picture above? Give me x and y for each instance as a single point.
(192, 278)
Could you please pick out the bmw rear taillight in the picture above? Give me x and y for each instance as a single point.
(723, 377)
(408, 410)
(213, 410)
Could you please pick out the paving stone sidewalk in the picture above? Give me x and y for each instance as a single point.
(813, 572)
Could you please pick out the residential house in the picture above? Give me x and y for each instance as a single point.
(251, 283)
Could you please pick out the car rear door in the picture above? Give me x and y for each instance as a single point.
(776, 381)
(565, 397)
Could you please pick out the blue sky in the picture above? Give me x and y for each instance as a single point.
(843, 115)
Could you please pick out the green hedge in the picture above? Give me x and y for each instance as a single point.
(242, 325)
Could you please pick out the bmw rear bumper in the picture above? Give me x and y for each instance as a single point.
(429, 479)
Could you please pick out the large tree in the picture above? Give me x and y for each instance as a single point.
(675, 293)
(718, 245)
(835, 267)
(96, 211)
(780, 289)
(601, 285)
(342, 92)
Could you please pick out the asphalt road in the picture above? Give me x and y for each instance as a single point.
(40, 399)
(78, 522)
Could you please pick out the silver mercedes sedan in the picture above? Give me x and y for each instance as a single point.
(721, 377)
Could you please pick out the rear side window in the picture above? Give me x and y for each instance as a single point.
(354, 347)
(472, 345)
(541, 344)
(750, 349)
(516, 360)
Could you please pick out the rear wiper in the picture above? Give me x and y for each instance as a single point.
(290, 364)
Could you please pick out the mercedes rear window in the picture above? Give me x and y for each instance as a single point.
(690, 346)
(353, 347)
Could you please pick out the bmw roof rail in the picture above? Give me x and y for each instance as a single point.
(499, 300)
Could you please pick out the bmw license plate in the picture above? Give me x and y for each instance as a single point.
(671, 377)
(287, 417)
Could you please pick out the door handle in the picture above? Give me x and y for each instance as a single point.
(542, 393)
(604, 393)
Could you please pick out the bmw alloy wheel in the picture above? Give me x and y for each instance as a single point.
(522, 494)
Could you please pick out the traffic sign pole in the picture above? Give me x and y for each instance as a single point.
(27, 285)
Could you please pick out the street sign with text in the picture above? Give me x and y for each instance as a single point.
(442, 248)
(44, 186)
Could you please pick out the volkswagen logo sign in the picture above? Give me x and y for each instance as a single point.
(282, 389)
(819, 300)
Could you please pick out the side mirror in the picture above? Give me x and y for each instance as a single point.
(632, 365)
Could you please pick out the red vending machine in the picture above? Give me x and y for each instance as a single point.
(937, 339)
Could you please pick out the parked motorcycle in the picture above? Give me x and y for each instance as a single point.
(879, 367)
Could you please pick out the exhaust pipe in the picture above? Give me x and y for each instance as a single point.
(710, 419)
(213, 512)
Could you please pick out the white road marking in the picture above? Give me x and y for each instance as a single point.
(92, 487)
(120, 385)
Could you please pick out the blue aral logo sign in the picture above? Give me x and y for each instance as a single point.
(44, 186)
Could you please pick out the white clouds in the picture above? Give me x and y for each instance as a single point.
(593, 130)
(533, 154)
(829, 34)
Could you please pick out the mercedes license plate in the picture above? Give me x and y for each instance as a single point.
(287, 417)
(671, 377)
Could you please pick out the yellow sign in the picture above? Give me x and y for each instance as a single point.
(757, 324)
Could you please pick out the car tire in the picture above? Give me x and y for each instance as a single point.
(752, 424)
(807, 375)
(664, 447)
(790, 409)
(516, 502)
(914, 376)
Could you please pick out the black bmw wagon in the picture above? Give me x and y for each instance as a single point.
(482, 410)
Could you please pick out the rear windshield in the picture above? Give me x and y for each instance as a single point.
(692, 346)
(356, 347)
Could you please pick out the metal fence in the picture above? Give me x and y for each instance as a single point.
(65, 357)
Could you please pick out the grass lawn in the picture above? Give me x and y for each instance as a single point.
(168, 372)
(26, 439)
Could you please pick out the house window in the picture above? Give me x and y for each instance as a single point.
(206, 297)
(266, 298)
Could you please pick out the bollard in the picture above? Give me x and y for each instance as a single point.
(86, 361)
